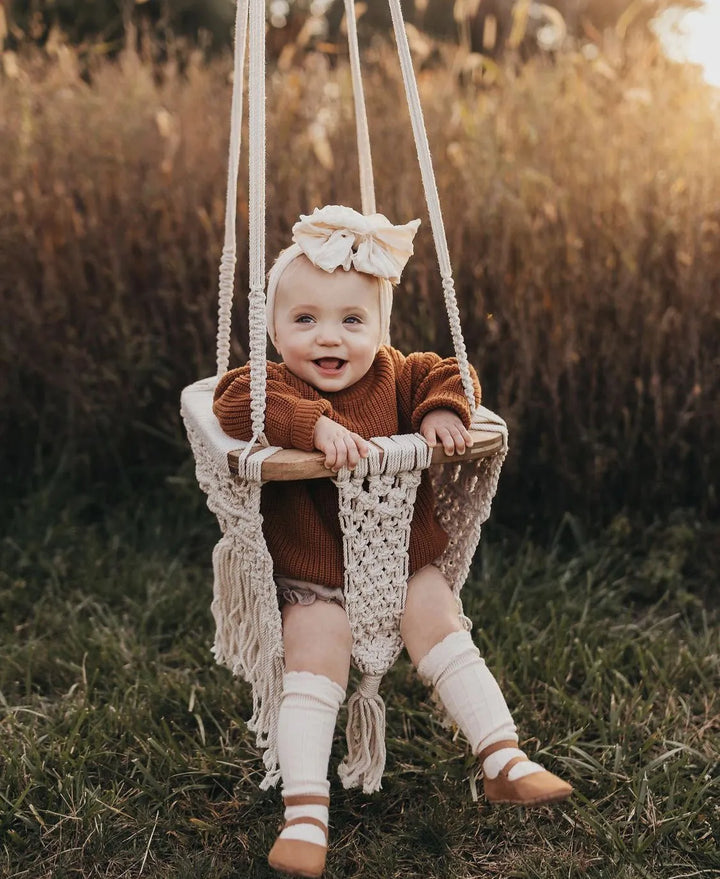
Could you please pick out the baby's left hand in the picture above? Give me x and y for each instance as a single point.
(446, 427)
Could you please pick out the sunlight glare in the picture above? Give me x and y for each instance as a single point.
(693, 37)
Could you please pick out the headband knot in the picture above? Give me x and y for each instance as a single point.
(337, 236)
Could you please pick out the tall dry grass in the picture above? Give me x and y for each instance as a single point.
(582, 207)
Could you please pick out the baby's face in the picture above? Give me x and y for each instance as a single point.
(327, 325)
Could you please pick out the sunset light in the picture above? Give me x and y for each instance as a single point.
(693, 37)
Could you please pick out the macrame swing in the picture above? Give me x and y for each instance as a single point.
(375, 499)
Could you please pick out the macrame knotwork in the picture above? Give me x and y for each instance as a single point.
(375, 499)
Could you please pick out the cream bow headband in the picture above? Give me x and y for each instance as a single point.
(335, 237)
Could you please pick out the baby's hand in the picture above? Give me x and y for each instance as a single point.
(342, 447)
(446, 427)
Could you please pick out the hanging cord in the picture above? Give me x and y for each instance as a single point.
(228, 259)
(367, 183)
(433, 201)
(256, 297)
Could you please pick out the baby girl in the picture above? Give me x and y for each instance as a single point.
(339, 384)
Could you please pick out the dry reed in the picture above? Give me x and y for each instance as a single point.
(582, 207)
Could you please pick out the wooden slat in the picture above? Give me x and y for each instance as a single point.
(289, 464)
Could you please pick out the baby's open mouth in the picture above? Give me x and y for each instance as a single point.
(330, 363)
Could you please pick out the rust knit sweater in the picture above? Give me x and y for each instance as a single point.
(300, 519)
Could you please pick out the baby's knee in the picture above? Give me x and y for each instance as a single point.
(431, 611)
(341, 634)
(428, 590)
(316, 634)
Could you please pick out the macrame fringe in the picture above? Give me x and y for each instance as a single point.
(244, 606)
(365, 732)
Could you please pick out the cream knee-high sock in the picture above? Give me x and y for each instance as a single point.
(473, 699)
(306, 724)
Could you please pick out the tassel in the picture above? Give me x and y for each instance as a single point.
(365, 733)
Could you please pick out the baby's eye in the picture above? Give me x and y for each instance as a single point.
(303, 319)
(353, 319)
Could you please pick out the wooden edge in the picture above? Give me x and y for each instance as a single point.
(286, 465)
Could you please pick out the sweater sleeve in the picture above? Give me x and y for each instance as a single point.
(290, 415)
(426, 381)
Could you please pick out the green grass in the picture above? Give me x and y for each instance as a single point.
(123, 750)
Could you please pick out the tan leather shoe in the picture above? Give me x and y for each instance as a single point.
(530, 790)
(295, 856)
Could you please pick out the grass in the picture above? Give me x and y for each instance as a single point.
(124, 751)
(583, 233)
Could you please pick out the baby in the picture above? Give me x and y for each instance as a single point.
(328, 311)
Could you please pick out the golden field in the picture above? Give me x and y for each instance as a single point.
(582, 209)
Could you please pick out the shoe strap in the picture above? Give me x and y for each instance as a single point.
(308, 820)
(306, 800)
(497, 746)
(505, 771)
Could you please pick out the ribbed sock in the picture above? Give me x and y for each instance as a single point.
(473, 699)
(306, 724)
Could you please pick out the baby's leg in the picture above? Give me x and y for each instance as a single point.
(317, 644)
(445, 655)
(317, 638)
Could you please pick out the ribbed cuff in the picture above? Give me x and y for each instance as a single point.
(303, 422)
(313, 686)
(441, 656)
(456, 403)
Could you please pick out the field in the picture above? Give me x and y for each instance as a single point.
(581, 204)
(124, 750)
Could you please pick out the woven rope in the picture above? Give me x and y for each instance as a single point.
(248, 633)
(228, 259)
(375, 500)
(376, 503)
(256, 303)
(431, 197)
(256, 298)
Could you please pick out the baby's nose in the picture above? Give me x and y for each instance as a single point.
(328, 335)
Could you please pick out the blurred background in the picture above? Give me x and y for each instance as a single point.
(574, 146)
(576, 150)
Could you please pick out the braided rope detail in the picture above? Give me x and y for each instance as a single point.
(225, 299)
(376, 500)
(227, 262)
(431, 197)
(256, 298)
(453, 313)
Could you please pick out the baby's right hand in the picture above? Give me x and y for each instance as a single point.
(342, 447)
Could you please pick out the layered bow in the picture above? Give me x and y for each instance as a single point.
(335, 236)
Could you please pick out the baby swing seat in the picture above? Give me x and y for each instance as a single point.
(375, 498)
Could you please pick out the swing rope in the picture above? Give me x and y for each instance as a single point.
(228, 259)
(257, 147)
(367, 183)
(375, 500)
(433, 202)
(256, 298)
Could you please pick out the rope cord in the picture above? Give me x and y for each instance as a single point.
(433, 201)
(256, 297)
(228, 259)
(367, 183)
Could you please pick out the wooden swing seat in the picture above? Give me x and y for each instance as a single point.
(287, 465)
